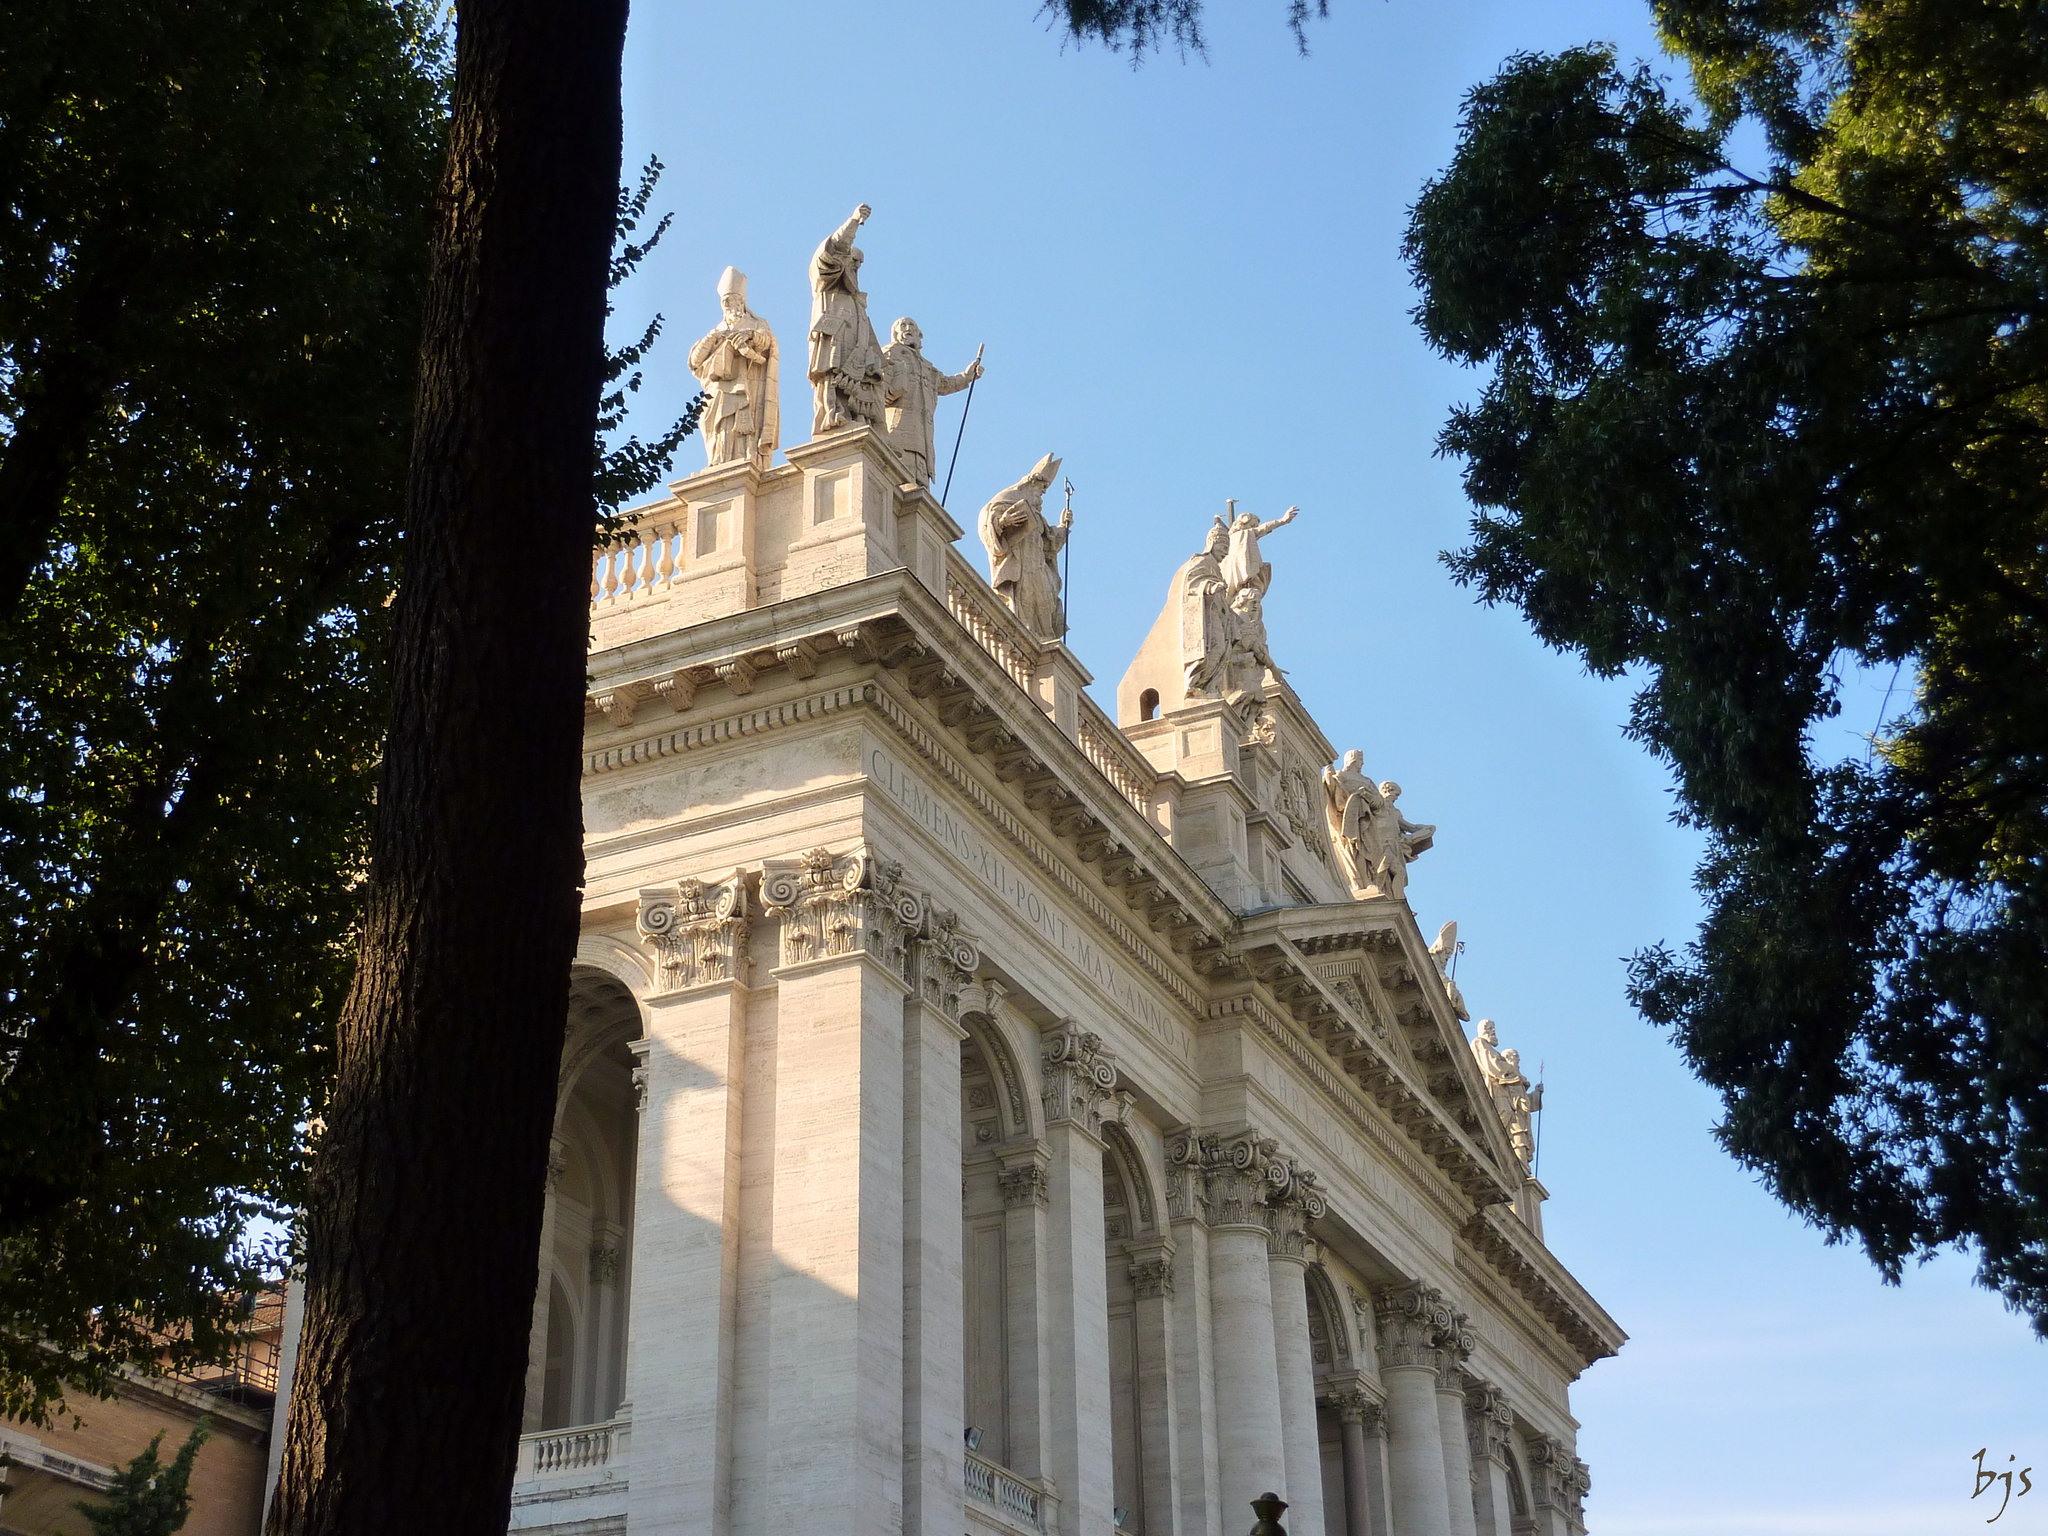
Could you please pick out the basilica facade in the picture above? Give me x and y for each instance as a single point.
(982, 1115)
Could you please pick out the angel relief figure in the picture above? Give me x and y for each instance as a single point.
(1375, 841)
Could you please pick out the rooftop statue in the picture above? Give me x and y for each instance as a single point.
(1024, 550)
(1375, 841)
(1443, 952)
(845, 366)
(1513, 1099)
(1222, 596)
(1244, 566)
(911, 387)
(1523, 1102)
(736, 364)
(1204, 609)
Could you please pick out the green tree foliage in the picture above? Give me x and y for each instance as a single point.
(1748, 428)
(149, 1498)
(1144, 26)
(212, 248)
(194, 663)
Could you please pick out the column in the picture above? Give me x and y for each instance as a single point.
(686, 1227)
(833, 1412)
(1406, 1320)
(1362, 1418)
(1026, 1190)
(1194, 1362)
(1251, 1455)
(543, 1291)
(1454, 1346)
(1152, 1322)
(1290, 1207)
(1488, 1423)
(1079, 1087)
(934, 1309)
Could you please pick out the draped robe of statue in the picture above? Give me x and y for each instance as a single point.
(911, 387)
(1243, 565)
(1024, 550)
(737, 365)
(845, 365)
(1204, 616)
(1374, 839)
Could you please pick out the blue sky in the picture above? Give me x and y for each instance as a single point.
(1189, 285)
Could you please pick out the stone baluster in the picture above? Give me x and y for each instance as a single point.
(1079, 1091)
(941, 962)
(691, 1077)
(1188, 1156)
(1454, 1346)
(1408, 1319)
(1489, 1425)
(1362, 1423)
(1251, 1453)
(1291, 1204)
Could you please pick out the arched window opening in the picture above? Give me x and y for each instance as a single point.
(1148, 704)
(580, 1331)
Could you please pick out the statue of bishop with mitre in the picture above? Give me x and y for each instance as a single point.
(1024, 550)
(736, 366)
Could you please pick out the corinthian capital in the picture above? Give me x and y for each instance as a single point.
(1488, 1421)
(941, 962)
(1410, 1319)
(842, 904)
(1355, 1405)
(1243, 1168)
(697, 930)
(1080, 1079)
(1292, 1203)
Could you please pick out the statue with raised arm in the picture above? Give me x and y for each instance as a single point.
(911, 387)
(736, 364)
(1443, 952)
(845, 366)
(1375, 841)
(1024, 550)
(1244, 566)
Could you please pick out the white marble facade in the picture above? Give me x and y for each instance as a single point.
(983, 1116)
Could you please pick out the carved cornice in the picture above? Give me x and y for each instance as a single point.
(1533, 1274)
(698, 931)
(843, 904)
(1080, 1080)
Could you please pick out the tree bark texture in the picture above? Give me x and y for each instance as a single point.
(427, 1190)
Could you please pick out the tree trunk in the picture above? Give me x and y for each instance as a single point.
(426, 1202)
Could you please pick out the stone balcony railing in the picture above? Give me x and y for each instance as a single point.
(586, 1448)
(1016, 1504)
(996, 630)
